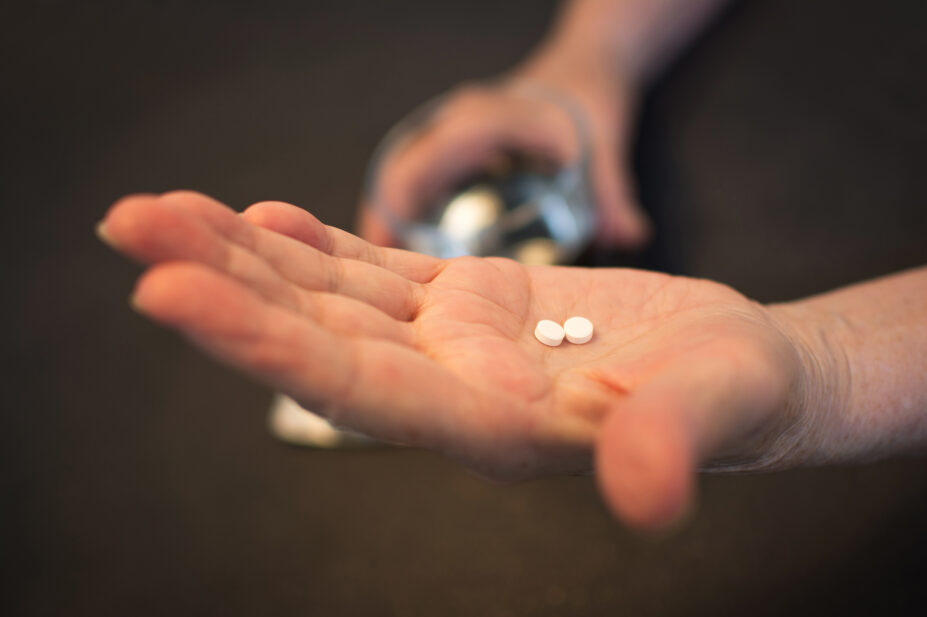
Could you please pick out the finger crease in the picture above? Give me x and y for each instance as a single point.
(348, 389)
(329, 239)
(439, 269)
(335, 275)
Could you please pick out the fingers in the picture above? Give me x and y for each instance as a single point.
(190, 226)
(621, 220)
(298, 224)
(466, 135)
(382, 389)
(476, 124)
(146, 229)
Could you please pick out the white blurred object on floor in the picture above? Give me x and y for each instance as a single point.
(290, 422)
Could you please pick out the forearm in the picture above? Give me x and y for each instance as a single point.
(623, 39)
(865, 355)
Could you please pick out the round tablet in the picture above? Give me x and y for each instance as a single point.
(577, 330)
(549, 332)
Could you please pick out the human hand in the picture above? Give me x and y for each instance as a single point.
(681, 373)
(524, 113)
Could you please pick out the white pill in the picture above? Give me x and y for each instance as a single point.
(578, 330)
(549, 332)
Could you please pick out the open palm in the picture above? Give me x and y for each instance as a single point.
(441, 354)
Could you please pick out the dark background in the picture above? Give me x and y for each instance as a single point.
(138, 478)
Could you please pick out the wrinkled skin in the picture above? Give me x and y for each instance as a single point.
(441, 354)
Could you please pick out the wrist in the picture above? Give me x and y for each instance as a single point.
(607, 96)
(821, 388)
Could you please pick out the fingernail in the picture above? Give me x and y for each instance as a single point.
(104, 237)
(135, 304)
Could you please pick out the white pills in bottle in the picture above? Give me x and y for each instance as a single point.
(577, 330)
(549, 332)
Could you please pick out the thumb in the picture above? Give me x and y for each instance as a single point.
(645, 462)
(651, 443)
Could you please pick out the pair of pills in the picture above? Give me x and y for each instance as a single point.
(577, 330)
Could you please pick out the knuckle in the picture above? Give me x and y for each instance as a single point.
(468, 98)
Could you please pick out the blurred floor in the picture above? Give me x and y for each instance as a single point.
(137, 477)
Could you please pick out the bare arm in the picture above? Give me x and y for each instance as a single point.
(621, 39)
(868, 355)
